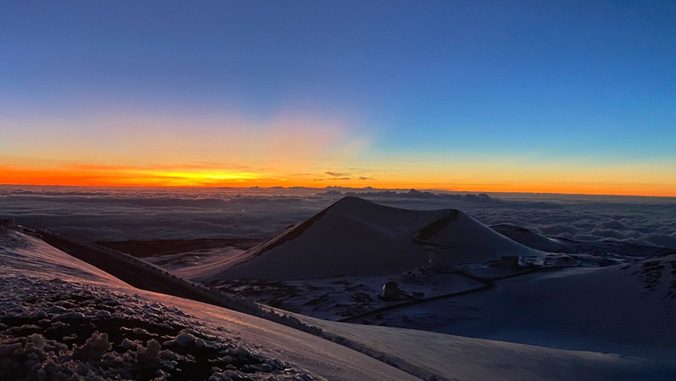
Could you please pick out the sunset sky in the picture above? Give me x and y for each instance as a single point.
(531, 96)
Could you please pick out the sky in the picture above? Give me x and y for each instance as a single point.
(519, 96)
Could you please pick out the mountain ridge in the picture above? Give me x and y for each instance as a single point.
(357, 237)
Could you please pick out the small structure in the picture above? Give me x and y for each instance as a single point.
(7, 223)
(506, 262)
(391, 291)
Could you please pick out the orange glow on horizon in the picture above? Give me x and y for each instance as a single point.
(92, 175)
(123, 176)
(198, 178)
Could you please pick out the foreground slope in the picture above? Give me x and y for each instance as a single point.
(357, 237)
(463, 358)
(90, 326)
(71, 320)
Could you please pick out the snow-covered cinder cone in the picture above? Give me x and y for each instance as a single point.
(357, 237)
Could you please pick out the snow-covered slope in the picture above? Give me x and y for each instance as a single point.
(357, 237)
(462, 358)
(72, 321)
(627, 309)
(28, 255)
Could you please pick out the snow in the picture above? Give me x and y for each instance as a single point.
(462, 358)
(590, 296)
(334, 265)
(347, 296)
(33, 256)
(61, 318)
(88, 342)
(358, 237)
(625, 309)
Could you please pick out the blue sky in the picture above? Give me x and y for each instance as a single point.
(569, 81)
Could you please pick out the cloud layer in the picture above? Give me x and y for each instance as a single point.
(119, 214)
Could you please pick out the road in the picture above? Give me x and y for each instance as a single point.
(487, 285)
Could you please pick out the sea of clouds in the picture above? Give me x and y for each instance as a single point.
(184, 213)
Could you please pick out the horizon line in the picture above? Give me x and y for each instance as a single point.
(333, 187)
